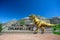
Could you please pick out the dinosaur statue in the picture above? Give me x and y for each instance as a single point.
(40, 24)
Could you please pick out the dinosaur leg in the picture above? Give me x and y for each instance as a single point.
(42, 30)
(36, 31)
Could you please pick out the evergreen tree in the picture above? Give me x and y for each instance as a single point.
(0, 27)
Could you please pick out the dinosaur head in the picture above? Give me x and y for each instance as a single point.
(32, 16)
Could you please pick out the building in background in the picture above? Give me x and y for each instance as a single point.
(55, 20)
(23, 24)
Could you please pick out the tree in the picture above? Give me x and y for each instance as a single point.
(56, 29)
(22, 22)
(0, 27)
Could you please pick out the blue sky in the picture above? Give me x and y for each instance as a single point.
(17, 9)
